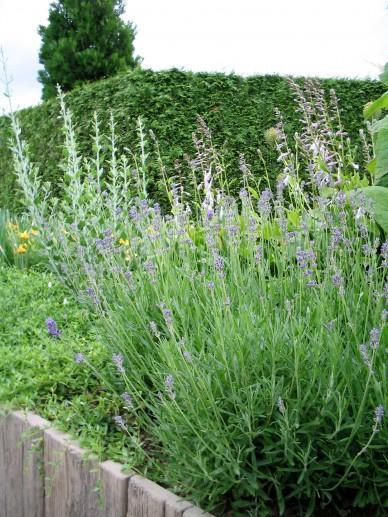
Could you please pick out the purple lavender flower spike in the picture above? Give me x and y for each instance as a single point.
(219, 264)
(365, 357)
(264, 203)
(169, 383)
(127, 400)
(374, 338)
(338, 282)
(119, 421)
(384, 253)
(118, 361)
(379, 414)
(154, 329)
(167, 314)
(79, 358)
(52, 327)
(187, 356)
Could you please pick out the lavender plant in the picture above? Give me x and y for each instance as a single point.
(247, 338)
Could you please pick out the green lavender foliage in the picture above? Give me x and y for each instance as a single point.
(237, 110)
(250, 336)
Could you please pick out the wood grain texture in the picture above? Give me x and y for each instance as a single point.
(114, 489)
(147, 499)
(44, 473)
(21, 465)
(196, 512)
(72, 479)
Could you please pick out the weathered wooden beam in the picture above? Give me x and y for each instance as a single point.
(72, 479)
(114, 486)
(21, 465)
(147, 499)
(44, 473)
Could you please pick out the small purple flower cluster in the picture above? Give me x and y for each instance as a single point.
(306, 261)
(150, 268)
(79, 358)
(126, 397)
(365, 357)
(119, 421)
(384, 253)
(118, 361)
(219, 264)
(374, 338)
(167, 315)
(52, 327)
(154, 329)
(169, 384)
(264, 203)
(93, 296)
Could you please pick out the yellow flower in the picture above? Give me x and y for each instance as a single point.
(124, 242)
(24, 236)
(21, 249)
(34, 232)
(12, 226)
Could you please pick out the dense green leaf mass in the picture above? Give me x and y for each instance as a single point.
(238, 111)
(84, 41)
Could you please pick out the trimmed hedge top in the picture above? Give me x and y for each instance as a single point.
(238, 111)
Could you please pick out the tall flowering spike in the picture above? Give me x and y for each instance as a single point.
(52, 327)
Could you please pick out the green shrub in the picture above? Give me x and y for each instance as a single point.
(237, 110)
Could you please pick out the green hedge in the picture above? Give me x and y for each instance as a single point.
(238, 110)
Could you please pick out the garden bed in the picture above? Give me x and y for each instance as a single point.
(232, 350)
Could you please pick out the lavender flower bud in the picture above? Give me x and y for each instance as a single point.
(118, 361)
(52, 327)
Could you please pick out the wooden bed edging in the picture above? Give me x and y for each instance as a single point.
(44, 473)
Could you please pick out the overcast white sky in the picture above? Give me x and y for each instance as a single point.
(327, 38)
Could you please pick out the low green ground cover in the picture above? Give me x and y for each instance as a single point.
(39, 373)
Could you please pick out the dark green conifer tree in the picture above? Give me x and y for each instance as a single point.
(84, 40)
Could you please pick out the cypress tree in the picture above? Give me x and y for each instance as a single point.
(84, 40)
